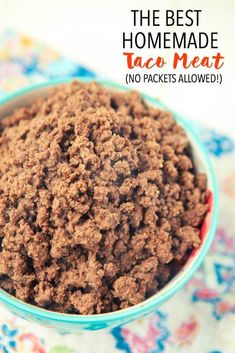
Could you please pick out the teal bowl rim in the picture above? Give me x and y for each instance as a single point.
(151, 303)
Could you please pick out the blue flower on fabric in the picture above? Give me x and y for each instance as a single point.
(60, 68)
(144, 335)
(217, 144)
(7, 339)
(64, 68)
(219, 267)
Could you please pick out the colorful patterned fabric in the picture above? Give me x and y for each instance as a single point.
(201, 317)
(24, 61)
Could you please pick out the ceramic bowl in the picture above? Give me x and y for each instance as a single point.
(75, 323)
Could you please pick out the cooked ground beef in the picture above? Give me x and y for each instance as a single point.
(100, 203)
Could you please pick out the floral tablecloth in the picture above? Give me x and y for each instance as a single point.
(201, 317)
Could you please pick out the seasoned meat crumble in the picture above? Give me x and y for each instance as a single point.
(100, 202)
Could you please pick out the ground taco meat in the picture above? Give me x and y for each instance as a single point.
(99, 201)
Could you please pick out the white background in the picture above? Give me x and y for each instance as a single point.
(91, 32)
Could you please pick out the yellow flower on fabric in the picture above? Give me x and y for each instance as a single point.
(4, 54)
(26, 41)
